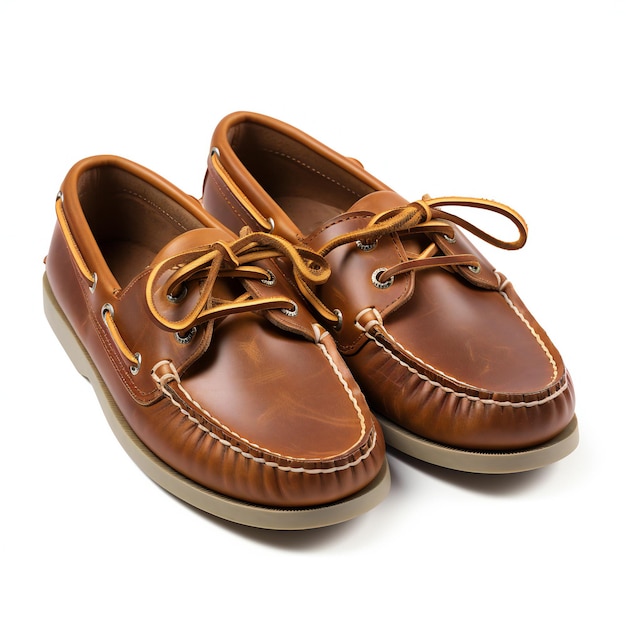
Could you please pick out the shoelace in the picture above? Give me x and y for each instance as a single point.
(425, 217)
(235, 259)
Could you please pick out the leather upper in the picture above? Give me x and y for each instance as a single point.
(225, 375)
(441, 344)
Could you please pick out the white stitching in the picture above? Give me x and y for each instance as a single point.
(458, 394)
(501, 288)
(247, 455)
(542, 345)
(343, 382)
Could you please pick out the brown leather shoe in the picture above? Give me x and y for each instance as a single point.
(213, 374)
(445, 351)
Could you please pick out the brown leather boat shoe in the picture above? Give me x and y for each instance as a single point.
(445, 351)
(211, 370)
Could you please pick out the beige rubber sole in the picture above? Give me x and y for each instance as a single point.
(187, 490)
(481, 462)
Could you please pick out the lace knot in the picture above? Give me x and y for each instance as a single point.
(425, 217)
(182, 290)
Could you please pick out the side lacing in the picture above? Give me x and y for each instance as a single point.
(459, 394)
(81, 264)
(171, 376)
(241, 197)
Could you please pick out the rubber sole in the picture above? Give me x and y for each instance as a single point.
(481, 462)
(187, 490)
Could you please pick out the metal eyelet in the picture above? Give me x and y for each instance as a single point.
(449, 239)
(134, 369)
(180, 297)
(291, 312)
(475, 269)
(215, 150)
(377, 283)
(272, 224)
(187, 337)
(366, 247)
(106, 308)
(92, 287)
(337, 326)
(270, 280)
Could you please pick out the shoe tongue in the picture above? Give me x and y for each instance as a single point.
(190, 240)
(377, 202)
(357, 216)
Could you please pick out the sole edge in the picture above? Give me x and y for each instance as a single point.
(481, 462)
(240, 512)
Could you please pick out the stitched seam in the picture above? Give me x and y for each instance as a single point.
(247, 455)
(218, 182)
(542, 345)
(110, 350)
(344, 217)
(538, 339)
(312, 169)
(344, 384)
(460, 394)
(154, 205)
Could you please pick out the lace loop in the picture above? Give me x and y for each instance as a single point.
(425, 217)
(238, 259)
(489, 205)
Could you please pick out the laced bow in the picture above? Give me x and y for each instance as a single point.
(237, 259)
(425, 217)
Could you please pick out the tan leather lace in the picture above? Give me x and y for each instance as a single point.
(425, 217)
(235, 259)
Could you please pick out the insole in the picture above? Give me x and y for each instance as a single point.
(126, 259)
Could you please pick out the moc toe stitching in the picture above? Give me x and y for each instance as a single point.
(209, 424)
(465, 370)
(441, 409)
(164, 416)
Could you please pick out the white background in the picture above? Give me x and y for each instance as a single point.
(519, 102)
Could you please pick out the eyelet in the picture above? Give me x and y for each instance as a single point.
(272, 225)
(92, 287)
(106, 308)
(475, 269)
(377, 283)
(134, 369)
(366, 247)
(216, 151)
(337, 326)
(449, 239)
(271, 280)
(187, 337)
(291, 312)
(180, 297)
